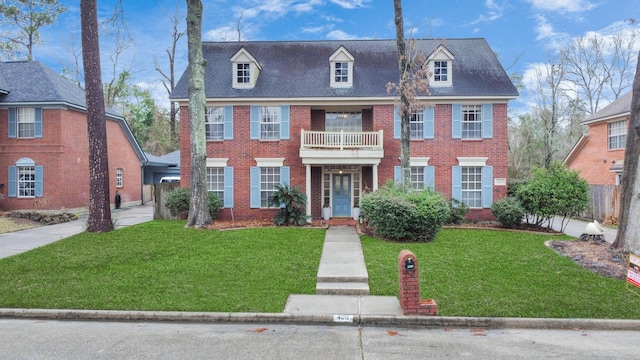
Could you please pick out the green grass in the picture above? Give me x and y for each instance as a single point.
(163, 266)
(501, 274)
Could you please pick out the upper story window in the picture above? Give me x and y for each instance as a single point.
(416, 125)
(245, 70)
(26, 122)
(471, 121)
(337, 121)
(269, 122)
(341, 64)
(214, 123)
(119, 177)
(440, 64)
(617, 134)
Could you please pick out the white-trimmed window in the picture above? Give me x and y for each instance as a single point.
(215, 181)
(472, 121)
(214, 122)
(26, 181)
(617, 134)
(26, 118)
(335, 121)
(416, 125)
(417, 177)
(472, 186)
(119, 177)
(269, 178)
(341, 72)
(441, 71)
(245, 69)
(269, 122)
(341, 65)
(243, 73)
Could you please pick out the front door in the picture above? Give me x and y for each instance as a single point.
(341, 195)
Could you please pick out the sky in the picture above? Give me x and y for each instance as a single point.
(521, 32)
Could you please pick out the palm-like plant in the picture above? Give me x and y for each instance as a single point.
(292, 202)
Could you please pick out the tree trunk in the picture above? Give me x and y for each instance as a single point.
(629, 227)
(198, 209)
(99, 204)
(405, 105)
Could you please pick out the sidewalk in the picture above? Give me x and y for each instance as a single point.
(576, 228)
(20, 241)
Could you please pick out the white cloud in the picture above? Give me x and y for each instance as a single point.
(563, 5)
(318, 29)
(340, 35)
(351, 4)
(546, 33)
(224, 33)
(495, 12)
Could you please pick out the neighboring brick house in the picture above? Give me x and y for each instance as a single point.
(44, 161)
(599, 154)
(317, 114)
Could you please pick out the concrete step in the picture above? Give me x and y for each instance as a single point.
(342, 288)
(332, 278)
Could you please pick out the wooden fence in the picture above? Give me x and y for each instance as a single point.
(604, 204)
(160, 191)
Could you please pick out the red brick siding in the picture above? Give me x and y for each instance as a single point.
(594, 161)
(63, 153)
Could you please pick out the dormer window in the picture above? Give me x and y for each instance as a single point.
(341, 64)
(245, 70)
(440, 64)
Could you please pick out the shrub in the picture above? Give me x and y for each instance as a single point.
(508, 211)
(457, 212)
(178, 203)
(292, 202)
(393, 213)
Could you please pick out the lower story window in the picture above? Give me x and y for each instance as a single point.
(269, 177)
(119, 177)
(26, 181)
(215, 181)
(417, 177)
(472, 186)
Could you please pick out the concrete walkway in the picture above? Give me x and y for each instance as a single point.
(20, 241)
(576, 228)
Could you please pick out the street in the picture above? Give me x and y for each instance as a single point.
(47, 339)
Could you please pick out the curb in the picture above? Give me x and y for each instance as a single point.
(321, 319)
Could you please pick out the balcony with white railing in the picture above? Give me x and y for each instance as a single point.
(342, 144)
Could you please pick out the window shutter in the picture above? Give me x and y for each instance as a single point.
(397, 130)
(487, 186)
(39, 181)
(456, 121)
(284, 122)
(37, 133)
(228, 122)
(12, 191)
(285, 172)
(487, 121)
(228, 187)
(13, 123)
(397, 175)
(429, 120)
(255, 122)
(255, 187)
(429, 178)
(456, 183)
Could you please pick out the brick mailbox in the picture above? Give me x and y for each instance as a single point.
(410, 287)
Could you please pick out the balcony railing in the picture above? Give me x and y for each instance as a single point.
(342, 140)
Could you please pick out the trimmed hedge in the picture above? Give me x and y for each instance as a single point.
(178, 202)
(508, 211)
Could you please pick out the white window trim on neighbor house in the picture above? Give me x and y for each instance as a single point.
(119, 177)
(343, 58)
(242, 80)
(227, 180)
(25, 122)
(25, 179)
(617, 135)
(441, 54)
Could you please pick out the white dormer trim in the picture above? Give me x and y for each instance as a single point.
(440, 55)
(242, 58)
(341, 57)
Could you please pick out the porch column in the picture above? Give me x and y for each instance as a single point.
(308, 191)
(375, 177)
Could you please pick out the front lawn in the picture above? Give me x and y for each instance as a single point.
(501, 274)
(163, 266)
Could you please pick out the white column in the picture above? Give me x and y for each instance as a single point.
(375, 177)
(308, 186)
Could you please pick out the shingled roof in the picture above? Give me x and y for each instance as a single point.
(31, 82)
(300, 69)
(618, 108)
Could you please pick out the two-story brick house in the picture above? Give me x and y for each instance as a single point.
(317, 114)
(44, 161)
(599, 154)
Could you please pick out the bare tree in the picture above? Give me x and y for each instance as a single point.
(99, 205)
(629, 227)
(170, 78)
(413, 79)
(27, 16)
(198, 208)
(116, 28)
